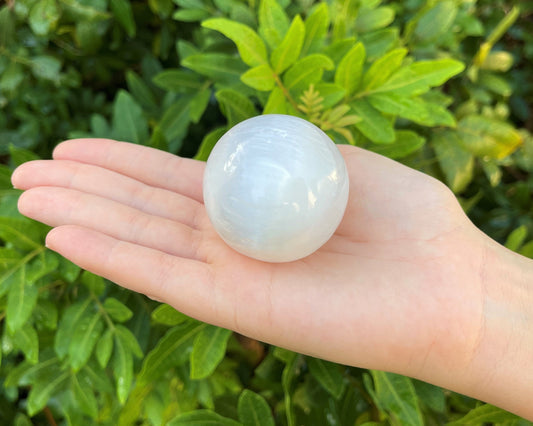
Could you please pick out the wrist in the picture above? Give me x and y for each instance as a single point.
(501, 368)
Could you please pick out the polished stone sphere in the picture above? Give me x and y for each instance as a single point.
(275, 188)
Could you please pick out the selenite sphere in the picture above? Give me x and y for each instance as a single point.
(275, 188)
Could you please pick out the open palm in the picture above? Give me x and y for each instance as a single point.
(395, 288)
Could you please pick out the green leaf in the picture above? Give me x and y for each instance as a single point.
(332, 94)
(373, 19)
(251, 47)
(436, 22)
(418, 77)
(492, 170)
(175, 122)
(46, 67)
(22, 233)
(67, 325)
(86, 333)
(191, 15)
(488, 137)
(44, 16)
(206, 146)
(93, 282)
(104, 348)
(405, 144)
(456, 163)
(128, 123)
(383, 68)
(276, 103)
(176, 80)
(208, 351)
(129, 340)
(44, 388)
(20, 155)
(485, 414)
(44, 263)
(288, 51)
(7, 26)
(379, 42)
(516, 238)
(122, 369)
(219, 67)
(235, 106)
(328, 375)
(169, 352)
(254, 410)
(202, 418)
(84, 397)
(396, 394)
(117, 310)
(12, 77)
(45, 314)
(316, 28)
(199, 104)
(350, 69)
(260, 78)
(140, 90)
(273, 22)
(124, 15)
(27, 340)
(430, 395)
(21, 300)
(373, 125)
(307, 71)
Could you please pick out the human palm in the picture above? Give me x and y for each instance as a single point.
(394, 288)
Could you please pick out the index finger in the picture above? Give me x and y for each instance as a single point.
(148, 165)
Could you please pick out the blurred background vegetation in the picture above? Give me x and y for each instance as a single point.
(444, 86)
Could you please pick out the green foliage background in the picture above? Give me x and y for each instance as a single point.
(442, 86)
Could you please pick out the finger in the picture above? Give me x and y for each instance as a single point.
(111, 185)
(182, 282)
(151, 166)
(60, 206)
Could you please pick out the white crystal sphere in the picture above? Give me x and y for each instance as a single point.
(275, 188)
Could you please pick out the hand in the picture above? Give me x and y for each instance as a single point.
(397, 288)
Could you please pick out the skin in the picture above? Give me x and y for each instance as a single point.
(407, 284)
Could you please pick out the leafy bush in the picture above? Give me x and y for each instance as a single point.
(442, 86)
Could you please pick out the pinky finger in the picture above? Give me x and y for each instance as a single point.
(182, 283)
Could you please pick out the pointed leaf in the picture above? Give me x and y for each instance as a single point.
(316, 28)
(373, 125)
(436, 21)
(516, 238)
(396, 395)
(22, 233)
(306, 71)
(44, 16)
(456, 163)
(219, 67)
(21, 300)
(93, 282)
(406, 143)
(350, 69)
(235, 106)
(176, 80)
(67, 325)
(373, 19)
(487, 137)
(140, 90)
(273, 22)
(128, 124)
(43, 389)
(206, 146)
(122, 369)
(167, 315)
(84, 397)
(87, 332)
(254, 410)
(124, 15)
(260, 78)
(328, 375)
(417, 78)
(485, 414)
(199, 104)
(276, 103)
(251, 47)
(202, 418)
(208, 351)
(169, 352)
(104, 348)
(288, 51)
(129, 340)
(383, 68)
(117, 310)
(27, 340)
